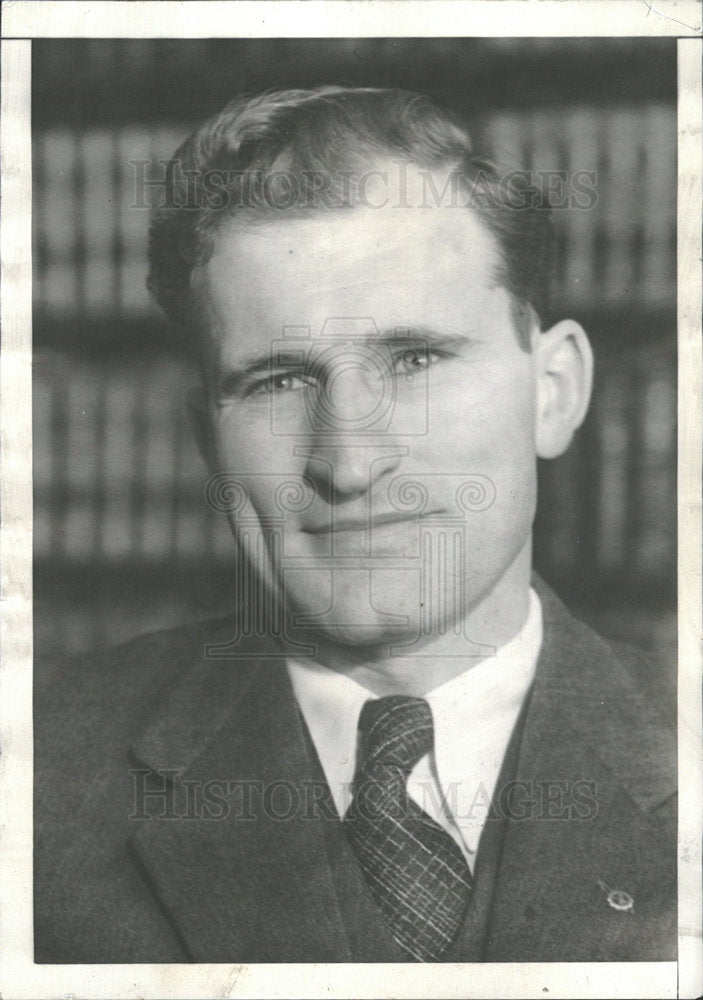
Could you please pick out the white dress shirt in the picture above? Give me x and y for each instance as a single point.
(474, 716)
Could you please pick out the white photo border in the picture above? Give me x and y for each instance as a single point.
(20, 978)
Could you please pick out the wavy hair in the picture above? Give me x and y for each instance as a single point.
(298, 153)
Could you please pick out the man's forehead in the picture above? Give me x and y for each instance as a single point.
(359, 251)
(401, 210)
(400, 266)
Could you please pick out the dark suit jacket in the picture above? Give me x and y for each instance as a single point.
(220, 873)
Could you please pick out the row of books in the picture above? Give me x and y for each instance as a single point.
(608, 507)
(611, 173)
(612, 177)
(118, 479)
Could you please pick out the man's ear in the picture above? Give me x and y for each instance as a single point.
(201, 423)
(564, 361)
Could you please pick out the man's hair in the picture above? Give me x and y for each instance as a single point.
(299, 153)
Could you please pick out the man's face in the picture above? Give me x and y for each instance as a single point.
(370, 397)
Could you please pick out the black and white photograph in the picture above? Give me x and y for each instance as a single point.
(355, 409)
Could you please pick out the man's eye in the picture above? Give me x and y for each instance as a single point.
(280, 384)
(414, 359)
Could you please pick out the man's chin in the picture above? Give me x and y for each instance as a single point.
(383, 631)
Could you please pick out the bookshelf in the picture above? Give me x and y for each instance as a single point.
(122, 533)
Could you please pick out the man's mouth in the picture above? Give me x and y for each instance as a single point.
(366, 524)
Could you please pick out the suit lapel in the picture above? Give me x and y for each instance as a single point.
(242, 870)
(244, 875)
(593, 768)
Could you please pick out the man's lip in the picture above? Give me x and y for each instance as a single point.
(358, 524)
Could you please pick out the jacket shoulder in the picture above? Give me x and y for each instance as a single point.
(91, 904)
(605, 696)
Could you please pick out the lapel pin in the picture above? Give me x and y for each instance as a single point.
(618, 899)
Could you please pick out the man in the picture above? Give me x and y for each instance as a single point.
(401, 747)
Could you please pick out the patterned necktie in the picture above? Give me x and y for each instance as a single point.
(415, 870)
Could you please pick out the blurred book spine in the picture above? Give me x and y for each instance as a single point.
(93, 190)
(612, 174)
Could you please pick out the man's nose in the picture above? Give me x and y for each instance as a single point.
(351, 446)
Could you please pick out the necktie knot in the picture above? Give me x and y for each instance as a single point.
(396, 730)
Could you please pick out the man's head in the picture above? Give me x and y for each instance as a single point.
(299, 153)
(378, 385)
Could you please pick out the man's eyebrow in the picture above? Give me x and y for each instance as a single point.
(259, 365)
(417, 333)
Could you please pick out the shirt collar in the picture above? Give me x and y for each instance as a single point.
(474, 713)
(331, 703)
(474, 716)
